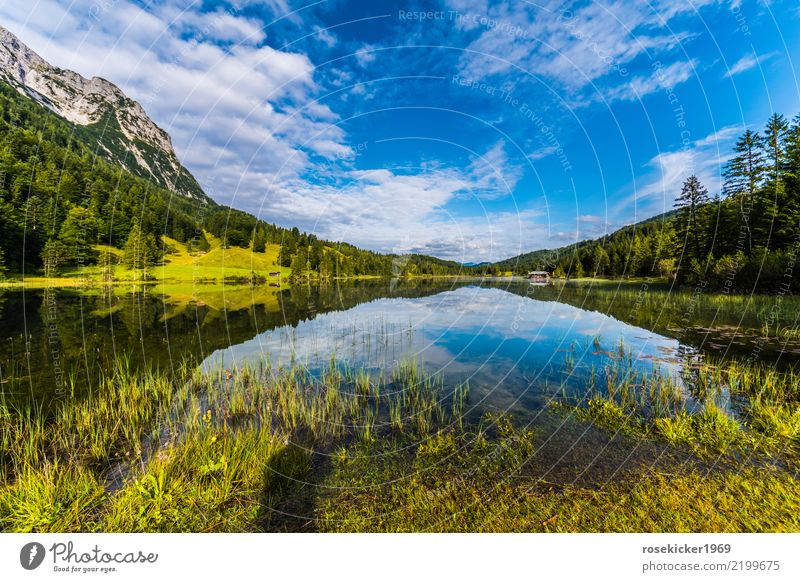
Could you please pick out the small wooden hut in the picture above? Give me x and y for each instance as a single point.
(539, 277)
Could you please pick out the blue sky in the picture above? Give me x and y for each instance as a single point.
(467, 129)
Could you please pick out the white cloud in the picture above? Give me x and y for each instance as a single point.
(589, 218)
(492, 175)
(662, 78)
(409, 210)
(366, 55)
(220, 26)
(579, 49)
(704, 157)
(542, 153)
(205, 77)
(325, 36)
(748, 62)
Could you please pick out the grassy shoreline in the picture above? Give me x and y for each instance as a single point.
(345, 451)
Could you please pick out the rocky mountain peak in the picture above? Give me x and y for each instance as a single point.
(127, 135)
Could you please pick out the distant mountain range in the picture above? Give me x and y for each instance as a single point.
(108, 121)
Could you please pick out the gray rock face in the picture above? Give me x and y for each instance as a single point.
(125, 134)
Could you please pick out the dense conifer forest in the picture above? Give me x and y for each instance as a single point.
(745, 237)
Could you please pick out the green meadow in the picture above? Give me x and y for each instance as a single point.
(180, 265)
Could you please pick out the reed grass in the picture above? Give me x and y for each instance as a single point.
(712, 407)
(225, 450)
(200, 451)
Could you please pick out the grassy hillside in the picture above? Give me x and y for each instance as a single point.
(217, 263)
(180, 265)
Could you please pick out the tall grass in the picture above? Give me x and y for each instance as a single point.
(225, 450)
(712, 407)
(199, 451)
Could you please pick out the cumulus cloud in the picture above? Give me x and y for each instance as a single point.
(409, 210)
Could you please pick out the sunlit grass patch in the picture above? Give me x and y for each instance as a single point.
(215, 480)
(685, 411)
(52, 498)
(465, 483)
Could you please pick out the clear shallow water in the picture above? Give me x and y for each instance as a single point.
(515, 352)
(515, 343)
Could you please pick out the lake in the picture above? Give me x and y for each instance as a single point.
(516, 344)
(519, 347)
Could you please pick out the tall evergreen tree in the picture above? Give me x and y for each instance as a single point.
(141, 250)
(744, 175)
(326, 266)
(788, 219)
(78, 234)
(259, 240)
(600, 260)
(54, 255)
(775, 135)
(299, 263)
(693, 195)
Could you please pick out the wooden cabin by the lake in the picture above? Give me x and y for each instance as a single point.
(539, 277)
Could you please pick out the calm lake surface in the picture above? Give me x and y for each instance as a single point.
(518, 345)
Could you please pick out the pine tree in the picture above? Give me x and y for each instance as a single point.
(54, 255)
(600, 260)
(693, 195)
(788, 215)
(78, 234)
(299, 263)
(259, 241)
(141, 250)
(577, 269)
(744, 175)
(107, 266)
(793, 148)
(775, 135)
(326, 266)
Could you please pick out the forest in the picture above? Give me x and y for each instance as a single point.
(59, 199)
(743, 238)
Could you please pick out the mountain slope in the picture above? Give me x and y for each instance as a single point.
(104, 118)
(549, 259)
(82, 165)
